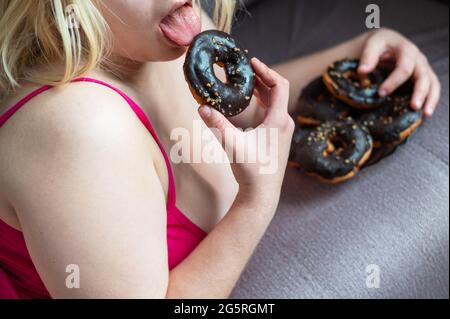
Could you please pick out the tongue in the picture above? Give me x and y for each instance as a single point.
(181, 26)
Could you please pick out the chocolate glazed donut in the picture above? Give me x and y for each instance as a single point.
(316, 105)
(394, 122)
(216, 47)
(359, 91)
(334, 151)
(300, 133)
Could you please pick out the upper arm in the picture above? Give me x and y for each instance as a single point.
(87, 193)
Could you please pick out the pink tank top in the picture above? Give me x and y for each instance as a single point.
(18, 276)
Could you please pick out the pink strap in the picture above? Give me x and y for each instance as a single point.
(171, 200)
(171, 196)
(10, 112)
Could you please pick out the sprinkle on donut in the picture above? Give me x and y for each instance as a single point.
(334, 151)
(359, 91)
(392, 123)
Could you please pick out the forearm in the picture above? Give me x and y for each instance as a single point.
(302, 70)
(213, 268)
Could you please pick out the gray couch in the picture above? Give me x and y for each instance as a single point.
(394, 214)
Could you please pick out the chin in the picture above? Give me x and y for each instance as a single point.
(165, 51)
(163, 54)
(174, 53)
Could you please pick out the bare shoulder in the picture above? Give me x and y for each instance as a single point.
(79, 171)
(73, 108)
(79, 119)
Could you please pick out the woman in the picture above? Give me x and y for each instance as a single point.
(85, 184)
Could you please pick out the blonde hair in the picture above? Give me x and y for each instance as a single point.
(39, 33)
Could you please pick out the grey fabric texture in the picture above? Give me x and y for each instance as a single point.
(394, 214)
(249, 2)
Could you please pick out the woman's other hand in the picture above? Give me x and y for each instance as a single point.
(410, 62)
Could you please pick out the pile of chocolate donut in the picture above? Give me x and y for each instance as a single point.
(345, 125)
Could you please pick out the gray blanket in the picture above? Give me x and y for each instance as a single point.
(395, 214)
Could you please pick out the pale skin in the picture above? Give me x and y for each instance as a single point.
(53, 147)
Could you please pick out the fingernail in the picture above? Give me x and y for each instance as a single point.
(205, 112)
(418, 103)
(383, 93)
(363, 67)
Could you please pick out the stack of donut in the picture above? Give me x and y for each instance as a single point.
(344, 125)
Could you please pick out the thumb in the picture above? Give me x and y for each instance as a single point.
(214, 119)
(220, 126)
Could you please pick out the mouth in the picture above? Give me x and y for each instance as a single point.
(181, 25)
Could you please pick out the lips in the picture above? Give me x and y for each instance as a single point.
(181, 25)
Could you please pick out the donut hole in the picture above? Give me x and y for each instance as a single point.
(219, 71)
(335, 145)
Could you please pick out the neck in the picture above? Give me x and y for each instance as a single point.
(126, 70)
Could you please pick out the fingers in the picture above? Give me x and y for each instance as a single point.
(273, 90)
(267, 75)
(262, 92)
(427, 90)
(434, 95)
(277, 86)
(214, 119)
(422, 86)
(402, 72)
(387, 56)
(373, 52)
(385, 46)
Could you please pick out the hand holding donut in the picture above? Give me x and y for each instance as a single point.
(272, 92)
(388, 45)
